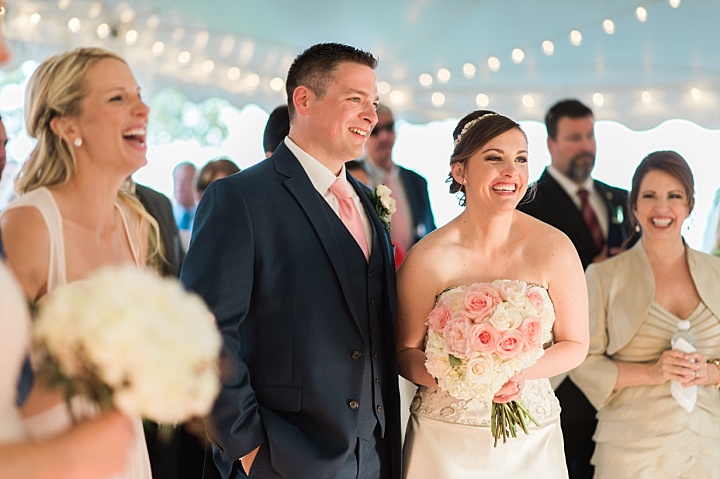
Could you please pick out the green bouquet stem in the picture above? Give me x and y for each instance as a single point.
(506, 417)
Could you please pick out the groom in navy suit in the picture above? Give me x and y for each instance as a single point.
(306, 309)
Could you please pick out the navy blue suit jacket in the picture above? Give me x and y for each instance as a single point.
(265, 258)
(416, 190)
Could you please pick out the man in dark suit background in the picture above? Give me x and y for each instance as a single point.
(305, 307)
(558, 201)
(159, 207)
(413, 218)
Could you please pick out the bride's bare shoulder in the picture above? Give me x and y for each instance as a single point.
(429, 256)
(542, 234)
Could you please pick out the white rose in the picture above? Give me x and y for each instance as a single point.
(506, 317)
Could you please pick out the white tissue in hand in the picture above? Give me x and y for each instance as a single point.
(685, 397)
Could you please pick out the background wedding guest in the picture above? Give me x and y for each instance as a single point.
(211, 171)
(711, 237)
(302, 284)
(413, 218)
(276, 129)
(7, 170)
(171, 252)
(3, 144)
(490, 240)
(72, 218)
(636, 300)
(184, 195)
(594, 216)
(359, 173)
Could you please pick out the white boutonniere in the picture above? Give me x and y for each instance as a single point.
(384, 204)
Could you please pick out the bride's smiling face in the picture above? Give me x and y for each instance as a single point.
(496, 174)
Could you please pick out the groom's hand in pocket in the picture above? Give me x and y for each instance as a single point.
(247, 460)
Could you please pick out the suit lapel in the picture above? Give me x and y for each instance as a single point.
(563, 203)
(384, 239)
(302, 189)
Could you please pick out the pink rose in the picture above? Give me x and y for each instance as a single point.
(531, 330)
(483, 337)
(537, 297)
(481, 301)
(455, 336)
(510, 345)
(439, 317)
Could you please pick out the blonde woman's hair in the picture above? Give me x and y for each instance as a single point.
(55, 90)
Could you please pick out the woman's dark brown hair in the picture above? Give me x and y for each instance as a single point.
(473, 132)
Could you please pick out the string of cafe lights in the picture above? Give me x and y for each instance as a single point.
(173, 48)
(517, 56)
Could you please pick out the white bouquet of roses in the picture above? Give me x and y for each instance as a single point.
(128, 339)
(481, 335)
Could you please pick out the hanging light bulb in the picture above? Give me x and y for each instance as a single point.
(443, 75)
(438, 99)
(494, 64)
(482, 100)
(397, 97)
(469, 70)
(576, 38)
(425, 80)
(548, 47)
(517, 55)
(641, 14)
(609, 26)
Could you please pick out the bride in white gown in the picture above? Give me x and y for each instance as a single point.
(490, 240)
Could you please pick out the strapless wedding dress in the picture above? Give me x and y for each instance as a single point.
(450, 438)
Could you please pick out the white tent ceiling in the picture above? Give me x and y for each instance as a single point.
(644, 73)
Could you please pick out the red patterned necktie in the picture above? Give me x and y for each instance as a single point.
(349, 213)
(590, 219)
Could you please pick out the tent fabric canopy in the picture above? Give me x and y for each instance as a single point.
(437, 58)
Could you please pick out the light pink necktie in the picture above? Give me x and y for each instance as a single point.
(349, 213)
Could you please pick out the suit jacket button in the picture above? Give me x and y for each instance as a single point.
(379, 408)
(354, 405)
(356, 355)
(372, 300)
(375, 354)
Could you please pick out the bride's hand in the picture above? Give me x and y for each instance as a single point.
(511, 390)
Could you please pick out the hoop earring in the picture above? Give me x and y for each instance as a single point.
(78, 142)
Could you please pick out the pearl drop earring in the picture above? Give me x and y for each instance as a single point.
(78, 142)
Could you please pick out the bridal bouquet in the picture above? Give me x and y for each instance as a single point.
(128, 339)
(481, 335)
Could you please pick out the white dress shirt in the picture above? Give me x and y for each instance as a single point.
(322, 178)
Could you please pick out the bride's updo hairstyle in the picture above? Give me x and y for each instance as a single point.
(473, 132)
(55, 90)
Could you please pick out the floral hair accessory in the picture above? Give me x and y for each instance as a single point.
(469, 125)
(384, 204)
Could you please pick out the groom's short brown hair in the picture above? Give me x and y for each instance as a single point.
(315, 68)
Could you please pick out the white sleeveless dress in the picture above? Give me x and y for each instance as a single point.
(449, 438)
(57, 419)
(14, 342)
